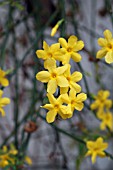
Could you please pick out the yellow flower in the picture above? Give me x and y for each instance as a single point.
(101, 102)
(49, 51)
(56, 107)
(28, 160)
(3, 161)
(96, 148)
(54, 76)
(107, 47)
(73, 100)
(69, 49)
(6, 156)
(107, 121)
(3, 80)
(3, 102)
(72, 79)
(54, 29)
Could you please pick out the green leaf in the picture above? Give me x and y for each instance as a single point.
(18, 5)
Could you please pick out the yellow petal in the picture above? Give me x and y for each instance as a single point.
(102, 126)
(108, 34)
(43, 76)
(55, 47)
(58, 55)
(50, 64)
(95, 105)
(65, 112)
(72, 40)
(66, 58)
(5, 82)
(81, 97)
(50, 117)
(79, 46)
(63, 90)
(109, 57)
(2, 112)
(63, 42)
(4, 101)
(108, 103)
(99, 140)
(76, 76)
(67, 72)
(48, 106)
(101, 53)
(106, 94)
(72, 93)
(62, 69)
(102, 42)
(93, 158)
(62, 81)
(75, 86)
(88, 153)
(100, 143)
(65, 98)
(76, 57)
(78, 106)
(45, 46)
(102, 154)
(52, 86)
(41, 54)
(51, 98)
(90, 144)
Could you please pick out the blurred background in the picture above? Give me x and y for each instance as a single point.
(24, 24)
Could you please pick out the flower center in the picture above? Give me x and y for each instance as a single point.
(110, 46)
(56, 106)
(96, 149)
(68, 78)
(69, 49)
(53, 75)
(72, 102)
(50, 55)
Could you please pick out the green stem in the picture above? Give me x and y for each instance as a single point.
(63, 131)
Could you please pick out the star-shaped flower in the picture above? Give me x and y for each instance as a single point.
(107, 121)
(72, 79)
(107, 47)
(96, 148)
(3, 102)
(3, 80)
(56, 107)
(70, 49)
(49, 51)
(75, 101)
(101, 102)
(54, 76)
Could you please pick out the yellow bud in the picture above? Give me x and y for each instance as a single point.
(54, 30)
(28, 160)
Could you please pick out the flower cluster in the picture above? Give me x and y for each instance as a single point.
(96, 148)
(107, 47)
(103, 105)
(9, 157)
(3, 80)
(3, 83)
(59, 78)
